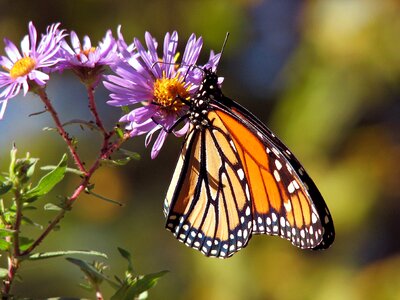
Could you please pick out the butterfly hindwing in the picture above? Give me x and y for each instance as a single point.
(208, 204)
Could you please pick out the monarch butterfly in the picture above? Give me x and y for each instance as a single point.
(235, 178)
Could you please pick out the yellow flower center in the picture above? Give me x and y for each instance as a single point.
(168, 92)
(86, 52)
(22, 67)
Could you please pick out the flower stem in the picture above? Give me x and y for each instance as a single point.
(93, 109)
(49, 107)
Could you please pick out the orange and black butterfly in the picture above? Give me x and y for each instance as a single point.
(235, 178)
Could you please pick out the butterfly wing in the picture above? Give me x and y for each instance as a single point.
(208, 205)
(285, 201)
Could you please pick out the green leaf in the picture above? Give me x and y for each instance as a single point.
(103, 198)
(4, 245)
(132, 289)
(90, 125)
(45, 255)
(90, 271)
(5, 187)
(28, 221)
(51, 206)
(125, 254)
(25, 243)
(68, 170)
(132, 155)
(3, 273)
(116, 162)
(119, 132)
(47, 182)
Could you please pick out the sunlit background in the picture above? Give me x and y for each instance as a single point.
(323, 75)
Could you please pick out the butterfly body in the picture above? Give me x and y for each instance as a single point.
(235, 178)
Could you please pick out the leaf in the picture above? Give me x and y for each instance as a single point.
(132, 155)
(52, 254)
(68, 170)
(5, 187)
(133, 289)
(119, 132)
(125, 254)
(4, 245)
(51, 206)
(103, 198)
(25, 243)
(47, 182)
(28, 221)
(90, 125)
(3, 273)
(116, 162)
(91, 272)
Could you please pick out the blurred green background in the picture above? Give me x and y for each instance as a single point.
(324, 76)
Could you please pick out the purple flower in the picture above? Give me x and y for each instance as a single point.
(86, 60)
(159, 83)
(85, 55)
(27, 67)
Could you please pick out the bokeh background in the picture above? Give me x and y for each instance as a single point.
(323, 74)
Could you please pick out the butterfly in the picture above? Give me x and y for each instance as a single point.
(234, 178)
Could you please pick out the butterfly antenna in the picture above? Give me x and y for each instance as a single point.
(224, 43)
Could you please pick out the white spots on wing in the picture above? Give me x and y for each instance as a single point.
(240, 173)
(185, 227)
(277, 176)
(314, 218)
(269, 222)
(326, 220)
(296, 185)
(274, 217)
(247, 192)
(232, 145)
(282, 221)
(290, 187)
(288, 205)
(259, 134)
(289, 168)
(278, 164)
(275, 151)
(268, 150)
(248, 211)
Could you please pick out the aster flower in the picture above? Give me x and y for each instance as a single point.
(86, 60)
(22, 69)
(159, 83)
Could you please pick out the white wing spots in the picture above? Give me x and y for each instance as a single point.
(275, 151)
(290, 188)
(277, 176)
(326, 220)
(274, 217)
(269, 222)
(247, 192)
(278, 164)
(293, 231)
(296, 185)
(282, 221)
(314, 218)
(268, 150)
(248, 211)
(289, 168)
(260, 134)
(287, 205)
(301, 171)
(232, 145)
(240, 174)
